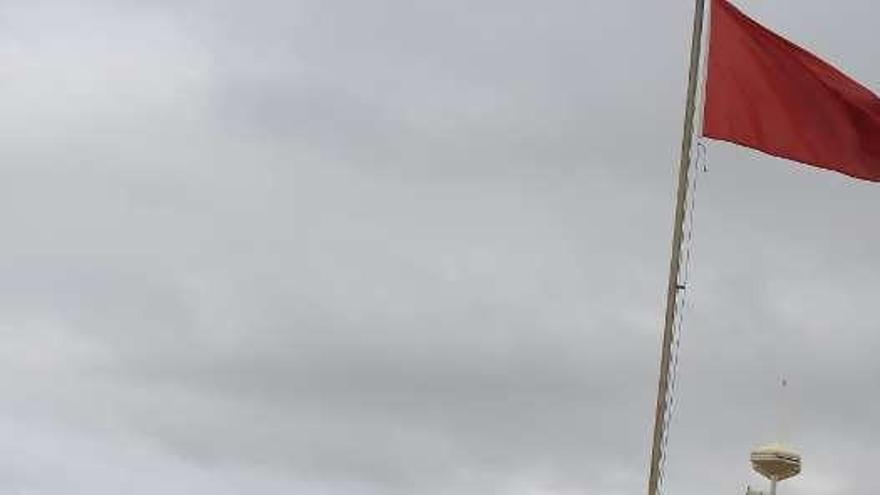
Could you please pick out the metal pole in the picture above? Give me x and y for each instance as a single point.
(677, 237)
(773, 486)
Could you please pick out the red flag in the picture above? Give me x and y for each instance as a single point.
(766, 93)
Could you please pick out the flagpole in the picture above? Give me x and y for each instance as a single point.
(674, 286)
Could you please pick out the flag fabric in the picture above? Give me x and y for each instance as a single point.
(766, 93)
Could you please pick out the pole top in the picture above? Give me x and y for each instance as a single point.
(776, 462)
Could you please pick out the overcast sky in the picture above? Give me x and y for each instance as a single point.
(340, 247)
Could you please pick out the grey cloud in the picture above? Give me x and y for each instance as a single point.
(395, 247)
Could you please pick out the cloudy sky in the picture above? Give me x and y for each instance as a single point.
(338, 247)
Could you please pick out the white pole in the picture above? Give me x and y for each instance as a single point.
(677, 238)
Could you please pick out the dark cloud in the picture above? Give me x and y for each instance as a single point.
(392, 247)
